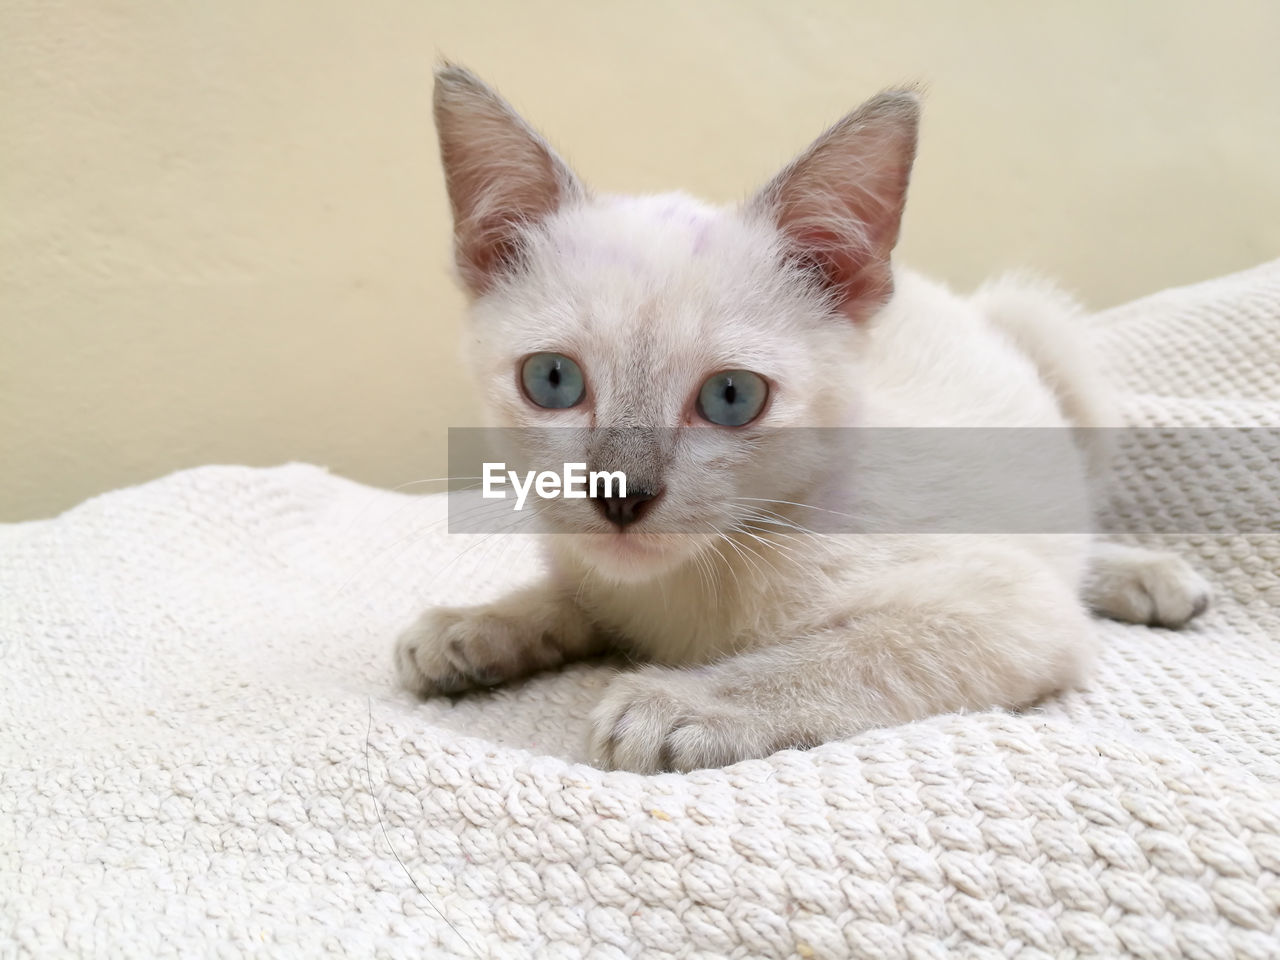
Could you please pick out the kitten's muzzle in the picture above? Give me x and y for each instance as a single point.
(637, 452)
(624, 511)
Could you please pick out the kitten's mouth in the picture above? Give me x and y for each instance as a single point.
(628, 555)
(624, 544)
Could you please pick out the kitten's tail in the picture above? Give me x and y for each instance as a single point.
(1051, 328)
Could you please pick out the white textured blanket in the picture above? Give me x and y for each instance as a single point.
(202, 751)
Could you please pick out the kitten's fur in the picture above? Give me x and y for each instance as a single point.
(760, 644)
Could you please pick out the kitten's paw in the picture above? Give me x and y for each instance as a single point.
(660, 719)
(1146, 586)
(451, 649)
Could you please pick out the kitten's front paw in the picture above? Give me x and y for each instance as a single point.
(1146, 586)
(450, 649)
(661, 719)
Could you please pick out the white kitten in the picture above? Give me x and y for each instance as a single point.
(705, 331)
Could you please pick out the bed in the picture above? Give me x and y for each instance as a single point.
(203, 751)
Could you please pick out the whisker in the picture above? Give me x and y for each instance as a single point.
(741, 553)
(772, 516)
(412, 483)
(793, 503)
(374, 495)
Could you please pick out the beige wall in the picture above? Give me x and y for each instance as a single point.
(224, 237)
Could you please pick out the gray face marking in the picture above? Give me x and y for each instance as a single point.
(641, 453)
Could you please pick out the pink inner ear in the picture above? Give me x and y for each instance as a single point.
(840, 203)
(495, 204)
(501, 176)
(839, 256)
(486, 251)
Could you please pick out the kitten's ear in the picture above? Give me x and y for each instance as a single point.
(501, 176)
(839, 204)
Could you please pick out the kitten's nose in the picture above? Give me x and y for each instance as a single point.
(623, 511)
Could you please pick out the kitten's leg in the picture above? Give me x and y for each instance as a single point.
(932, 638)
(1144, 586)
(450, 649)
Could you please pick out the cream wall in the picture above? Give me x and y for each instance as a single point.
(224, 237)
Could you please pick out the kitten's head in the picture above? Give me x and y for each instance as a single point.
(691, 334)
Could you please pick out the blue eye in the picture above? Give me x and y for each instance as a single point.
(551, 381)
(732, 398)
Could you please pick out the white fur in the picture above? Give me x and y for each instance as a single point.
(767, 635)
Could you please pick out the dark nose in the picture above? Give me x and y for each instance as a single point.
(623, 511)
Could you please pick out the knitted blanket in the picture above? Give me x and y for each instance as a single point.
(202, 751)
